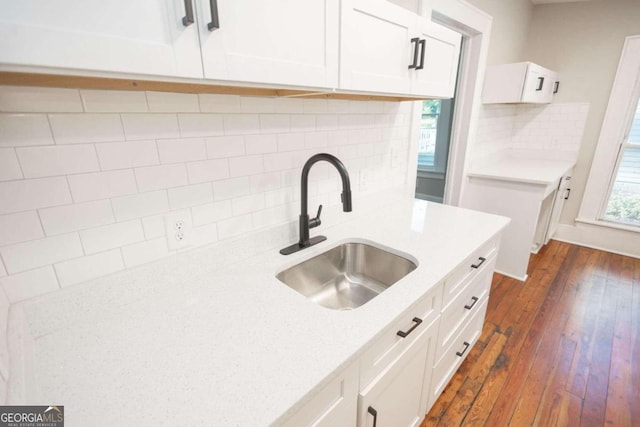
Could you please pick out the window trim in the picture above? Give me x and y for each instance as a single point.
(613, 135)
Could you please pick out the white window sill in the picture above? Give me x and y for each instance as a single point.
(609, 224)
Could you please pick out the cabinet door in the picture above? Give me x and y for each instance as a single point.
(538, 85)
(142, 36)
(395, 397)
(375, 46)
(441, 53)
(271, 41)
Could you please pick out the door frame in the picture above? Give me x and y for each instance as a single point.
(475, 27)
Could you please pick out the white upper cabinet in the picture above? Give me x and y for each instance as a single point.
(388, 49)
(441, 49)
(522, 82)
(271, 41)
(141, 36)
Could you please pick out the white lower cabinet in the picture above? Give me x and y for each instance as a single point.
(401, 374)
(394, 398)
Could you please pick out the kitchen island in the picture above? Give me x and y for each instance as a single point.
(211, 337)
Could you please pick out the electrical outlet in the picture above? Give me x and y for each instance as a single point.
(178, 227)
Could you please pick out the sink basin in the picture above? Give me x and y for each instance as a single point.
(347, 276)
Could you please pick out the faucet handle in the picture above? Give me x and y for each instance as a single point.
(314, 222)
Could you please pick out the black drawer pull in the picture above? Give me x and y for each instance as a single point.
(567, 194)
(423, 46)
(470, 306)
(215, 20)
(555, 89)
(188, 10)
(540, 83)
(375, 415)
(482, 260)
(404, 334)
(414, 64)
(466, 347)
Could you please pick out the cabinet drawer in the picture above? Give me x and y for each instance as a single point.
(390, 345)
(334, 405)
(455, 316)
(468, 269)
(458, 350)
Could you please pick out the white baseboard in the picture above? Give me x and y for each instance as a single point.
(607, 239)
(522, 279)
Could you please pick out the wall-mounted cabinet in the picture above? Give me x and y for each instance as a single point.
(522, 82)
(386, 48)
(373, 46)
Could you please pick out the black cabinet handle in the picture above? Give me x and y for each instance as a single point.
(566, 196)
(470, 306)
(404, 334)
(414, 64)
(375, 415)
(423, 44)
(188, 10)
(215, 20)
(540, 83)
(482, 260)
(466, 347)
(555, 88)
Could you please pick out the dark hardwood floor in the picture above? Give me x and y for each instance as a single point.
(561, 349)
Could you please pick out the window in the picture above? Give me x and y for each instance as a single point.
(428, 132)
(623, 204)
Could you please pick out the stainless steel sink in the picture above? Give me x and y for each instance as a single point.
(346, 276)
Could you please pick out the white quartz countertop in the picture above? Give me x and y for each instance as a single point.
(211, 337)
(527, 167)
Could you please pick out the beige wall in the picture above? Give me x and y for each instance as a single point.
(583, 42)
(510, 28)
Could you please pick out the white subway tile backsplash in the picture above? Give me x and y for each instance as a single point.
(168, 102)
(337, 106)
(18, 130)
(315, 106)
(126, 155)
(39, 162)
(315, 140)
(192, 125)
(114, 101)
(157, 177)
(241, 124)
(247, 165)
(289, 105)
(281, 196)
(302, 122)
(327, 122)
(211, 212)
(17, 196)
(247, 204)
(150, 126)
(273, 216)
(102, 185)
(230, 188)
(3, 271)
(204, 235)
(208, 170)
(27, 99)
(278, 161)
(181, 150)
(88, 267)
(139, 205)
(266, 182)
(274, 123)
(219, 103)
(111, 236)
(29, 284)
(358, 107)
(225, 146)
(65, 219)
(20, 227)
(190, 195)
(290, 141)
(258, 144)
(84, 128)
(41, 252)
(144, 252)
(154, 226)
(9, 165)
(250, 104)
(234, 226)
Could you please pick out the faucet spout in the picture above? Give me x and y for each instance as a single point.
(304, 222)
